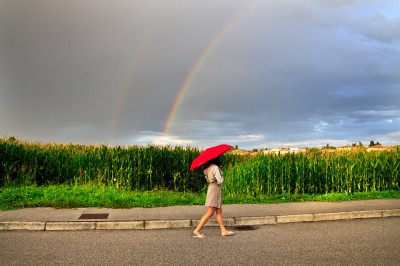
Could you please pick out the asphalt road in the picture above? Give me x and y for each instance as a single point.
(347, 242)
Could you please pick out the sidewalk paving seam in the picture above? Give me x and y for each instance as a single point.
(186, 223)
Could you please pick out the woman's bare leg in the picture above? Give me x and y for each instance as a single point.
(204, 220)
(220, 222)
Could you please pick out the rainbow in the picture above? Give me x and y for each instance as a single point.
(200, 61)
(142, 52)
(138, 57)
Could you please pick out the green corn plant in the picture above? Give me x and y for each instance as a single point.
(152, 167)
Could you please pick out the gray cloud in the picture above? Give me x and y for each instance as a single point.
(273, 72)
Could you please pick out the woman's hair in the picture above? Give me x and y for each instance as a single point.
(215, 161)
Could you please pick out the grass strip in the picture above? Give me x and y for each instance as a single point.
(64, 196)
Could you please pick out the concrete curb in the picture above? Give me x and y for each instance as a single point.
(126, 225)
(172, 224)
(167, 224)
(295, 218)
(32, 226)
(243, 221)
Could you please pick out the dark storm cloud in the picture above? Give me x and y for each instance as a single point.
(312, 78)
(280, 73)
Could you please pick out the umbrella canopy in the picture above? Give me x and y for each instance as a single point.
(209, 154)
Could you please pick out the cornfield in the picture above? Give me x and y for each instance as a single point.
(165, 167)
(131, 168)
(315, 172)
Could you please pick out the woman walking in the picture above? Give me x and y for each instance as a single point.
(215, 178)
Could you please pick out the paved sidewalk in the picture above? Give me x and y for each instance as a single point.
(235, 215)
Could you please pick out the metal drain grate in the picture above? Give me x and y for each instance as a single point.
(245, 227)
(94, 216)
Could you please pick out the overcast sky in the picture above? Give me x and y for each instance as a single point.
(257, 74)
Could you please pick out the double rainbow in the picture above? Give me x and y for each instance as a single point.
(194, 70)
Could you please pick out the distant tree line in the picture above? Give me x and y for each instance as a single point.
(371, 143)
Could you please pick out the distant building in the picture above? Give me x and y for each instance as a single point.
(239, 152)
(345, 148)
(380, 148)
(284, 151)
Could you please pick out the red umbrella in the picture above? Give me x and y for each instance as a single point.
(209, 154)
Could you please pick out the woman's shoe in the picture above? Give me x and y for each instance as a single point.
(228, 233)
